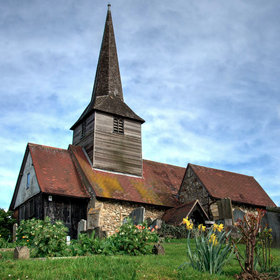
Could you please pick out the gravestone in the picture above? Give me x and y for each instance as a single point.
(238, 214)
(157, 223)
(82, 226)
(15, 227)
(93, 216)
(21, 253)
(225, 209)
(137, 215)
(158, 249)
(272, 220)
(98, 233)
(149, 221)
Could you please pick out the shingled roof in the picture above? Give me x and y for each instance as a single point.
(158, 186)
(107, 94)
(240, 188)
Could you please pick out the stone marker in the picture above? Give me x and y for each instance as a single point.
(238, 214)
(99, 233)
(149, 221)
(225, 209)
(82, 226)
(21, 253)
(157, 223)
(158, 249)
(15, 227)
(137, 215)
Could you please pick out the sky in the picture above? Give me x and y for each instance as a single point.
(204, 75)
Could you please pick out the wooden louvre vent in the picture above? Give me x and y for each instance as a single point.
(84, 127)
(118, 125)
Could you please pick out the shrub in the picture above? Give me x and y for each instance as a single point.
(170, 231)
(88, 245)
(6, 224)
(46, 239)
(210, 253)
(133, 239)
(257, 240)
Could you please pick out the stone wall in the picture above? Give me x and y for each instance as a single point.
(192, 189)
(109, 214)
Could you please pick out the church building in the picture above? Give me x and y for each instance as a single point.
(102, 176)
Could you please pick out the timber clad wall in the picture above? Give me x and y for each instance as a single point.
(87, 140)
(69, 210)
(117, 152)
(24, 192)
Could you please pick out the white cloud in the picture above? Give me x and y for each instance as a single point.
(204, 76)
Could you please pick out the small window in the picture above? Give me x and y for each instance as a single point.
(28, 181)
(118, 125)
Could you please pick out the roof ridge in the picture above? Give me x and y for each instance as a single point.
(164, 163)
(45, 146)
(191, 164)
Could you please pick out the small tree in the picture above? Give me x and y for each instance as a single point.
(6, 223)
(252, 234)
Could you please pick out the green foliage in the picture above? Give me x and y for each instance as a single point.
(46, 239)
(133, 240)
(86, 246)
(128, 240)
(6, 244)
(170, 231)
(257, 240)
(6, 224)
(211, 252)
(263, 249)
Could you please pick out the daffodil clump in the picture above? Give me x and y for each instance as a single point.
(211, 251)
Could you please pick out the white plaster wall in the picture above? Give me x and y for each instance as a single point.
(23, 193)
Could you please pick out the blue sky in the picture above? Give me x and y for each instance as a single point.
(205, 75)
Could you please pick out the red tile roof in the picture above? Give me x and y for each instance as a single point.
(159, 186)
(240, 188)
(55, 171)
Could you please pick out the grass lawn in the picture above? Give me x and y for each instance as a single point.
(114, 267)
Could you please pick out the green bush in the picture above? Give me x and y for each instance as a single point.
(170, 231)
(89, 245)
(6, 225)
(128, 240)
(133, 240)
(46, 239)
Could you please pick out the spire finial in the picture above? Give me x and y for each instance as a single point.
(109, 7)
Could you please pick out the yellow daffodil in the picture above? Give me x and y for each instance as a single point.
(201, 227)
(215, 227)
(213, 239)
(185, 220)
(188, 223)
(189, 226)
(220, 227)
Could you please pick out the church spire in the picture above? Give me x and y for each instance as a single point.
(107, 79)
(107, 94)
